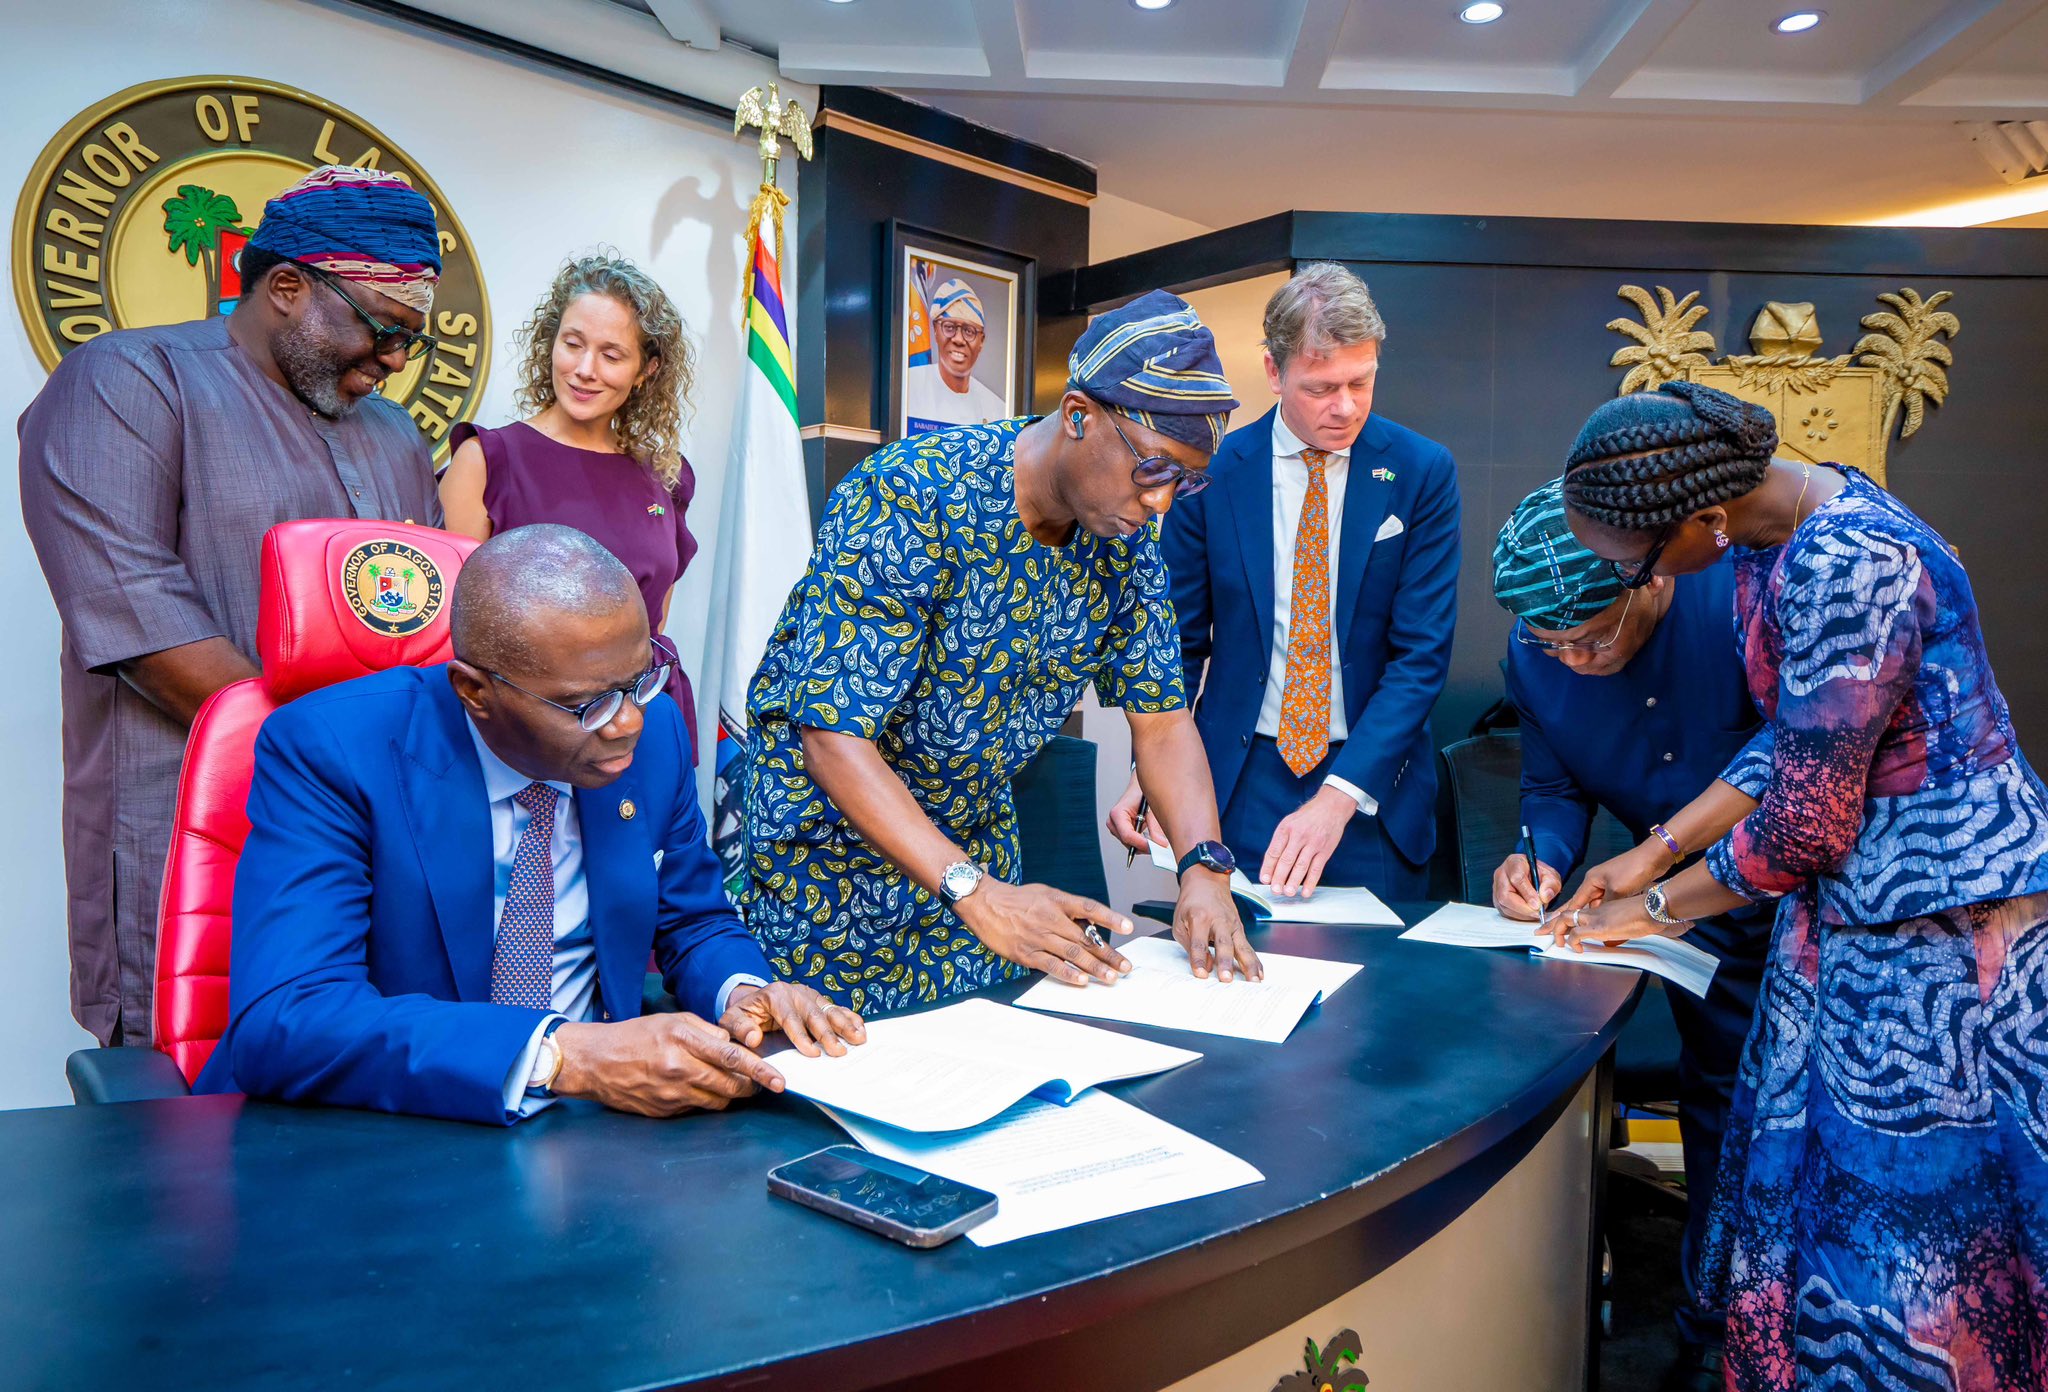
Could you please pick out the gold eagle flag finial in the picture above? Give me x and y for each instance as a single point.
(777, 120)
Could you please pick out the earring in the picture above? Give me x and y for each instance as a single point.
(1720, 539)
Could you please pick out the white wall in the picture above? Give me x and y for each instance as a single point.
(536, 165)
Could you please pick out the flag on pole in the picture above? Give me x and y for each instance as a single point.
(764, 526)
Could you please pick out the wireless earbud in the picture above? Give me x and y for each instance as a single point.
(1077, 418)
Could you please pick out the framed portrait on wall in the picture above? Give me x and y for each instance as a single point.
(960, 337)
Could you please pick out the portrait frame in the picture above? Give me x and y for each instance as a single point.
(918, 261)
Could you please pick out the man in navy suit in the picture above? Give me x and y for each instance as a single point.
(454, 875)
(1316, 585)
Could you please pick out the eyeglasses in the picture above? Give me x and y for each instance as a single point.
(954, 328)
(1154, 470)
(383, 337)
(602, 709)
(1554, 645)
(1636, 574)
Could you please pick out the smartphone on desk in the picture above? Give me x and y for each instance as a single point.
(912, 1206)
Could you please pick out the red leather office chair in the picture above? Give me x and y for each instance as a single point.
(340, 599)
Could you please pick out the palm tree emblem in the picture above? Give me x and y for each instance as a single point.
(199, 222)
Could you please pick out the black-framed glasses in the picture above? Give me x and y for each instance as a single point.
(602, 709)
(1153, 470)
(1558, 645)
(959, 328)
(383, 337)
(1636, 574)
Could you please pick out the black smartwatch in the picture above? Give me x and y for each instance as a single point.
(1210, 855)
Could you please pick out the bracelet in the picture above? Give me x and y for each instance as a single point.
(1670, 841)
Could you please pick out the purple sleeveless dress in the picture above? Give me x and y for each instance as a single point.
(612, 497)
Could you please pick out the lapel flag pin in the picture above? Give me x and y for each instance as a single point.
(656, 510)
(1384, 475)
(627, 811)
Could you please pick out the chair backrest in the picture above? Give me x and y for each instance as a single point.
(340, 599)
(1055, 795)
(1486, 795)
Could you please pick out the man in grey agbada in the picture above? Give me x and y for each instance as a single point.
(152, 463)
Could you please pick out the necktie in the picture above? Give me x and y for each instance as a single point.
(1305, 699)
(523, 964)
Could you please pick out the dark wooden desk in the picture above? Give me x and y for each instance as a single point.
(220, 1243)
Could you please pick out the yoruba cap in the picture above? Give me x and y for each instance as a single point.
(1541, 573)
(956, 300)
(359, 224)
(1154, 361)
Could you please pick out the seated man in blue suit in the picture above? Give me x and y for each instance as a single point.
(1634, 700)
(454, 875)
(1317, 585)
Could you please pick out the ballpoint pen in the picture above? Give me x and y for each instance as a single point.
(1131, 852)
(1535, 878)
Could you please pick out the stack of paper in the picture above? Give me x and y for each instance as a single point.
(1053, 1167)
(962, 1064)
(1162, 991)
(1330, 904)
(1474, 925)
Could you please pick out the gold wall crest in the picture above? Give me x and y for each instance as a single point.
(1829, 410)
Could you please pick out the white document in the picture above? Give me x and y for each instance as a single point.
(1331, 904)
(1054, 1167)
(1473, 925)
(959, 1065)
(1162, 991)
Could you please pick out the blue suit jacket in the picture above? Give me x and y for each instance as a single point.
(361, 965)
(1396, 604)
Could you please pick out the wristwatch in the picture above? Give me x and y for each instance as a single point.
(1653, 905)
(1210, 855)
(547, 1061)
(959, 880)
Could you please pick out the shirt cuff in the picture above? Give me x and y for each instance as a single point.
(1367, 803)
(733, 983)
(517, 1103)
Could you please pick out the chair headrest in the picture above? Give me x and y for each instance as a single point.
(344, 598)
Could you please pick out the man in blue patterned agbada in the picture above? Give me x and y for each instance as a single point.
(967, 585)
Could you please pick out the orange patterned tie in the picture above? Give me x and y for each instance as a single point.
(1305, 699)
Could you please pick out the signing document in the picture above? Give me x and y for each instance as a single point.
(1162, 992)
(960, 1065)
(1053, 1167)
(1474, 925)
(1329, 904)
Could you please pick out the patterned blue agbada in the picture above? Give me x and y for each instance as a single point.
(1881, 1220)
(931, 622)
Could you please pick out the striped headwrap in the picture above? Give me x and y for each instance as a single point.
(359, 224)
(1541, 574)
(956, 300)
(1154, 362)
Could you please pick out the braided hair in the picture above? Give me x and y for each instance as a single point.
(1651, 459)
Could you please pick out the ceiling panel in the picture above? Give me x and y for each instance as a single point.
(1428, 33)
(907, 25)
(1735, 37)
(1113, 29)
(2022, 52)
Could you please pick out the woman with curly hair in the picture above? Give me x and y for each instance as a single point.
(604, 379)
(1881, 1219)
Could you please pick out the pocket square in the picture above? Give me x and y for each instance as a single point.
(657, 860)
(1389, 529)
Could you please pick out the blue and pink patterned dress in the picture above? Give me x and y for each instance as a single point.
(1882, 1216)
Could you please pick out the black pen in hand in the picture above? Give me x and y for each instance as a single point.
(1535, 878)
(1131, 852)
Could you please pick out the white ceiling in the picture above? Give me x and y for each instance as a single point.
(1222, 110)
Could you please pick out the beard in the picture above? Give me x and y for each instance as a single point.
(313, 367)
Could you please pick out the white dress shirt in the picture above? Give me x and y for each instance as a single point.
(574, 991)
(1290, 491)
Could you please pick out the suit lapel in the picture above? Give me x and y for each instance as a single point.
(441, 786)
(1250, 491)
(1366, 499)
(618, 873)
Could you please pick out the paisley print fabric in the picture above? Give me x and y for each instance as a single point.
(1881, 1221)
(932, 623)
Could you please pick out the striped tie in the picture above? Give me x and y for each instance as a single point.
(523, 965)
(1305, 699)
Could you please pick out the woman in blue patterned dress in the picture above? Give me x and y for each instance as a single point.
(967, 585)
(1882, 1216)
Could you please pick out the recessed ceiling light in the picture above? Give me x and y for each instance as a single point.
(1151, 4)
(1485, 12)
(1799, 21)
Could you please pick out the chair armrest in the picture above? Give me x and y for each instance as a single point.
(123, 1075)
